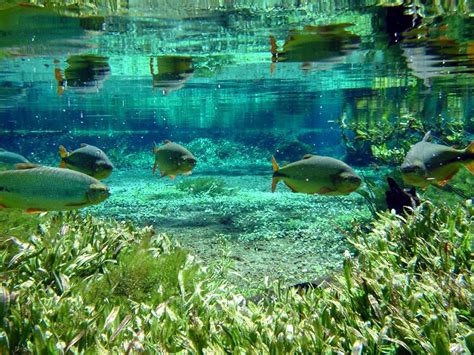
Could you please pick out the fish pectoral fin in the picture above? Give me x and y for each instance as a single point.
(172, 177)
(447, 178)
(34, 210)
(26, 166)
(325, 190)
(443, 182)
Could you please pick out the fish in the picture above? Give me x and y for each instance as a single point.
(173, 159)
(172, 73)
(8, 160)
(326, 45)
(428, 163)
(400, 200)
(36, 189)
(87, 159)
(316, 174)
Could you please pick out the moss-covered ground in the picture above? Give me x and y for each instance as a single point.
(282, 235)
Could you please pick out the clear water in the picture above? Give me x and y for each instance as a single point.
(237, 83)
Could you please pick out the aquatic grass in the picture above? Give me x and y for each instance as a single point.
(140, 276)
(207, 185)
(104, 286)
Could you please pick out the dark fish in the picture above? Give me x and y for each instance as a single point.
(173, 159)
(88, 159)
(398, 199)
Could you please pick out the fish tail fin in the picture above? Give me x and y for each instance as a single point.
(155, 147)
(275, 165)
(275, 180)
(155, 166)
(275, 177)
(63, 154)
(470, 149)
(470, 167)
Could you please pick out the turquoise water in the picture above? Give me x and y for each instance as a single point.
(236, 84)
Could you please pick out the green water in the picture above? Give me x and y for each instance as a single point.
(237, 83)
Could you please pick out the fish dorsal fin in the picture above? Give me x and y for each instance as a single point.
(84, 145)
(307, 156)
(166, 141)
(427, 137)
(26, 166)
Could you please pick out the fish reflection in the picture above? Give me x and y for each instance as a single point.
(434, 52)
(314, 44)
(85, 73)
(172, 72)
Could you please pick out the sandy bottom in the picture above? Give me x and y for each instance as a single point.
(283, 235)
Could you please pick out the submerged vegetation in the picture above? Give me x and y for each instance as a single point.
(75, 283)
(210, 186)
(238, 82)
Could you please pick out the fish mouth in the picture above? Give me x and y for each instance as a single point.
(98, 192)
(348, 183)
(103, 170)
(192, 162)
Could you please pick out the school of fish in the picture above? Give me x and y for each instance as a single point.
(76, 182)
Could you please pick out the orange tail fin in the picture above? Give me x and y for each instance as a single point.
(470, 149)
(470, 167)
(275, 179)
(63, 154)
(275, 165)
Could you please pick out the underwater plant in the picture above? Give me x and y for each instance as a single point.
(207, 185)
(75, 283)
